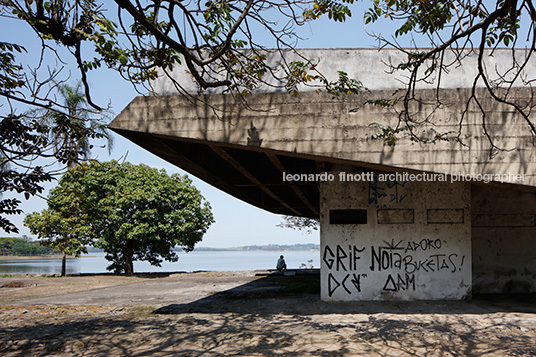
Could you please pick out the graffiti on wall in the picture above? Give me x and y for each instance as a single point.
(403, 260)
(386, 193)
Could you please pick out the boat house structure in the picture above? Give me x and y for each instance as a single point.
(411, 221)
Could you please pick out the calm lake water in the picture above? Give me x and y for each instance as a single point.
(193, 261)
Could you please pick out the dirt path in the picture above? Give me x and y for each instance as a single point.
(237, 313)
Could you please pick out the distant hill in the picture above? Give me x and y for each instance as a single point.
(91, 249)
(269, 247)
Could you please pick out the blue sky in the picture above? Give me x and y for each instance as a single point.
(237, 223)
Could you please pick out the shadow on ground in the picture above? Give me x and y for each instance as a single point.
(253, 335)
(283, 315)
(275, 294)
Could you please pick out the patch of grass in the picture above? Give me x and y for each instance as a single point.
(141, 309)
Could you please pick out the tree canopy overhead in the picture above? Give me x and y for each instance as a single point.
(215, 40)
(218, 41)
(32, 142)
(449, 31)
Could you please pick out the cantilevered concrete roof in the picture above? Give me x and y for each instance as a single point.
(244, 150)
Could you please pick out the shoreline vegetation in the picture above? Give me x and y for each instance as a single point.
(7, 254)
(37, 257)
(24, 247)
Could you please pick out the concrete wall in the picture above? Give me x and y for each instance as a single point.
(370, 66)
(416, 243)
(503, 240)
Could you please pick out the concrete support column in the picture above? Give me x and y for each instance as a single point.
(504, 240)
(389, 239)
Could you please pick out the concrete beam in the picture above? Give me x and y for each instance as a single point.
(251, 177)
(273, 158)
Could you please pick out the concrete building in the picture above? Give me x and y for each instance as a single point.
(415, 220)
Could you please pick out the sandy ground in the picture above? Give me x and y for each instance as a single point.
(241, 314)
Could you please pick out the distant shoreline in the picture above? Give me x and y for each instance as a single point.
(37, 257)
(250, 250)
(311, 247)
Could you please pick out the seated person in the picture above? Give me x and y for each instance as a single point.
(281, 265)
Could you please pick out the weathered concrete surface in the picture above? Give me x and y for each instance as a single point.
(326, 128)
(503, 240)
(372, 68)
(422, 255)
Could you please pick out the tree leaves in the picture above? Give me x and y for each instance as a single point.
(299, 73)
(335, 10)
(390, 135)
(131, 211)
(11, 76)
(48, 134)
(307, 225)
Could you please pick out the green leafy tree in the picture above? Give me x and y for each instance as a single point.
(59, 230)
(22, 246)
(71, 132)
(21, 142)
(6, 245)
(132, 212)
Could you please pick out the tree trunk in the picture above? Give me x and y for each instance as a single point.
(63, 264)
(128, 253)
